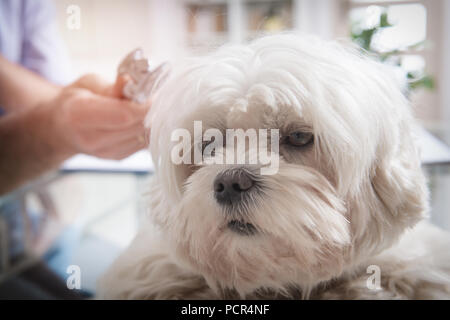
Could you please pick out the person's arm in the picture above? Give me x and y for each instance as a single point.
(55, 124)
(29, 146)
(36, 140)
(20, 88)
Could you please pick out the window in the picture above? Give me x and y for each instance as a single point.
(407, 35)
(397, 33)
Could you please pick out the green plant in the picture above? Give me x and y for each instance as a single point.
(364, 38)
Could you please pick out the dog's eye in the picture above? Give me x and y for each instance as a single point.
(300, 139)
(207, 143)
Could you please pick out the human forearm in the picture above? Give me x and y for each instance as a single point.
(21, 88)
(29, 146)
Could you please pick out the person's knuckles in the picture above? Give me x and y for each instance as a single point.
(92, 82)
(73, 93)
(92, 78)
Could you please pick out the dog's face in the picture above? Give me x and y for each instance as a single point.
(348, 180)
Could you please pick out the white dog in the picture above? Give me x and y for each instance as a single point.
(338, 220)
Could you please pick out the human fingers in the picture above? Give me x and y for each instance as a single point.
(117, 88)
(93, 83)
(90, 140)
(121, 150)
(91, 110)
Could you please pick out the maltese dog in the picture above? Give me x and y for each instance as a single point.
(331, 209)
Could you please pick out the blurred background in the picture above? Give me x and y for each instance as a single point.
(98, 204)
(412, 34)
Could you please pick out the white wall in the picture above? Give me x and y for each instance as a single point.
(324, 18)
(112, 28)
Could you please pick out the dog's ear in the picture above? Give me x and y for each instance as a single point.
(399, 183)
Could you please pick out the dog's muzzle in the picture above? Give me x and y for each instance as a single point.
(231, 186)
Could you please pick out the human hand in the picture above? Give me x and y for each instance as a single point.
(90, 117)
(56, 123)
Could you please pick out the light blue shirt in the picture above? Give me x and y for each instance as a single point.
(29, 36)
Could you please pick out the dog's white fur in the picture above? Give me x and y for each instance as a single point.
(352, 199)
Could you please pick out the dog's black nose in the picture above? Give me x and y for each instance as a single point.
(230, 185)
